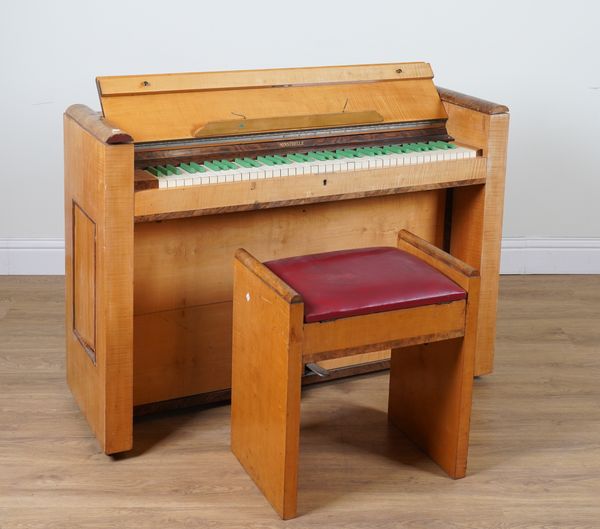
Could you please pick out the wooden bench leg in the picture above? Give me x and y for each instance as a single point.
(266, 383)
(430, 400)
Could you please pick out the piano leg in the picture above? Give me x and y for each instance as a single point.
(99, 283)
(476, 229)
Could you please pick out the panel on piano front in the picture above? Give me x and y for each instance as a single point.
(183, 276)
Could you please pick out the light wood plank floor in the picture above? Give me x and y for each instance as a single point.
(535, 443)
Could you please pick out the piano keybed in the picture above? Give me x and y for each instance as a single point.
(306, 163)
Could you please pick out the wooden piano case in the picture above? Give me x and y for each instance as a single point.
(149, 272)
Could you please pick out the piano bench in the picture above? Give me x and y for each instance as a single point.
(416, 300)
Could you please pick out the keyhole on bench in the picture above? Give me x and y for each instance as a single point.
(324, 182)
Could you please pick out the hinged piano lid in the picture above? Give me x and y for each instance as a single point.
(217, 104)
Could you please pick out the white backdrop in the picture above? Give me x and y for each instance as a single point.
(542, 59)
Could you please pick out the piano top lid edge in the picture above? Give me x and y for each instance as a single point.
(471, 102)
(95, 123)
(109, 86)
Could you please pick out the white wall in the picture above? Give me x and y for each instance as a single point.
(542, 59)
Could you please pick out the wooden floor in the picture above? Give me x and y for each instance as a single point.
(535, 442)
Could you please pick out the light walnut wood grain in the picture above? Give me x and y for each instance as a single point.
(374, 332)
(181, 352)
(169, 116)
(144, 84)
(265, 391)
(447, 264)
(284, 290)
(99, 179)
(431, 387)
(177, 106)
(181, 273)
(477, 216)
(178, 264)
(357, 360)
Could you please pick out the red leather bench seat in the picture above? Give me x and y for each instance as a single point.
(362, 281)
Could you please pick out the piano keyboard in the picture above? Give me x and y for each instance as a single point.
(316, 162)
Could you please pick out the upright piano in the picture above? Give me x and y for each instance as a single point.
(180, 170)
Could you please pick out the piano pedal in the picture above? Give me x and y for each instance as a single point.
(315, 369)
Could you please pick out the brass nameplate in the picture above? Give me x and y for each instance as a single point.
(313, 121)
